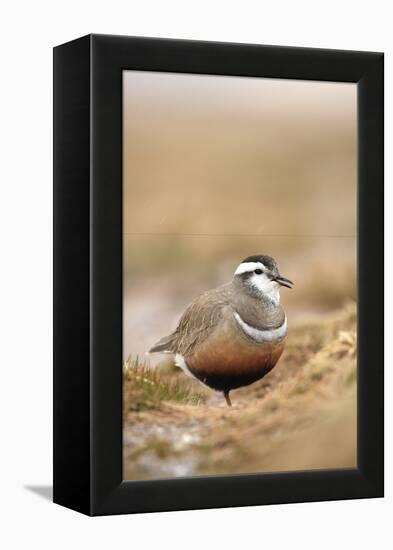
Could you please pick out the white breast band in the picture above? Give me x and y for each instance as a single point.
(260, 336)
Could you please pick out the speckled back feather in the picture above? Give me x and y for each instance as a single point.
(197, 322)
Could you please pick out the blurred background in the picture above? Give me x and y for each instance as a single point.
(220, 168)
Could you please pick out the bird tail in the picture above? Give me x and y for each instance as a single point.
(162, 346)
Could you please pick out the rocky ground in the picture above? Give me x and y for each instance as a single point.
(300, 416)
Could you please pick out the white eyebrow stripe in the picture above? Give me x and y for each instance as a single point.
(246, 267)
(261, 336)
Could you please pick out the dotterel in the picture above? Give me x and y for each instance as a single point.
(234, 334)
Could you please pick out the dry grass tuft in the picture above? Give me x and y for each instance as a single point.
(145, 387)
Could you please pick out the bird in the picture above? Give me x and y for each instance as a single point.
(232, 335)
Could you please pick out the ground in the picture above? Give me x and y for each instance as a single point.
(302, 415)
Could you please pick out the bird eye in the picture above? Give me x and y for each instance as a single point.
(258, 271)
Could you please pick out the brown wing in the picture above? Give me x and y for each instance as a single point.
(196, 323)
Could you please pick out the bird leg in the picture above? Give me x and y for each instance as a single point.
(227, 398)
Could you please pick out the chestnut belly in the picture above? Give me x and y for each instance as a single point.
(230, 360)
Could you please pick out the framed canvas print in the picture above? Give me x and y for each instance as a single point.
(218, 275)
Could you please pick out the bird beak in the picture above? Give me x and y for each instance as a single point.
(283, 281)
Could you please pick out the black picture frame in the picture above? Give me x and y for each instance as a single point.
(88, 274)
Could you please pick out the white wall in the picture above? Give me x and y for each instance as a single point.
(28, 32)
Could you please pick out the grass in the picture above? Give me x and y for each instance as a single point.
(145, 387)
